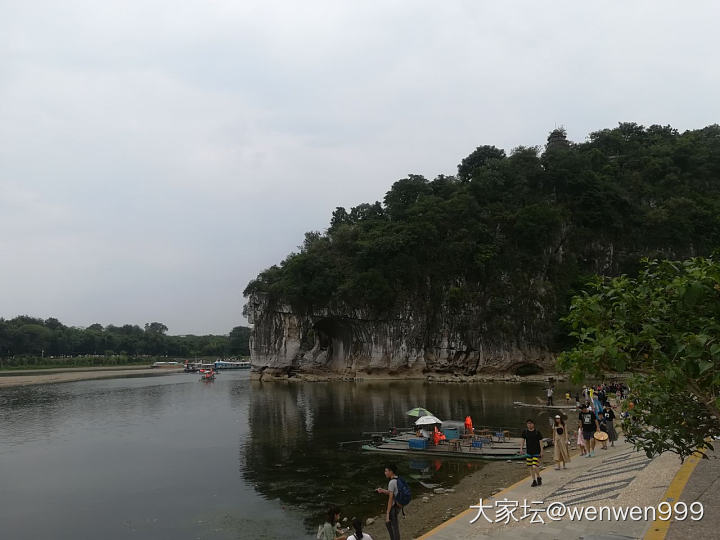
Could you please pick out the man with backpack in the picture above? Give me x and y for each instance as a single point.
(398, 493)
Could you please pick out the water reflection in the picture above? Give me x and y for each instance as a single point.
(292, 452)
(170, 457)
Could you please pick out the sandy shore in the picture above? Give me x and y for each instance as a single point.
(52, 376)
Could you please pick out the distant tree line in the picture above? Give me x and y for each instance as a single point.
(26, 336)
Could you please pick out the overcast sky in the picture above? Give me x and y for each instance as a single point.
(156, 155)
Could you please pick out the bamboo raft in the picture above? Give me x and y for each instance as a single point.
(543, 406)
(497, 451)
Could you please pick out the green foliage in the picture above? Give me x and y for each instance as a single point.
(39, 362)
(663, 325)
(478, 159)
(513, 237)
(28, 341)
(239, 341)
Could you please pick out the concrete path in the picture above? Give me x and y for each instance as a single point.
(703, 486)
(616, 478)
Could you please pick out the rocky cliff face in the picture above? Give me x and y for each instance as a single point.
(353, 343)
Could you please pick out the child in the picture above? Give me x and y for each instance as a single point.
(581, 442)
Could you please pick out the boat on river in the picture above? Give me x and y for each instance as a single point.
(227, 364)
(166, 365)
(543, 406)
(207, 375)
(448, 450)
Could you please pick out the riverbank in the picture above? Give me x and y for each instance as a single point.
(619, 478)
(410, 376)
(428, 510)
(61, 375)
(426, 515)
(544, 378)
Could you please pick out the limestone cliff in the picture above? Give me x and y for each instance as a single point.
(353, 343)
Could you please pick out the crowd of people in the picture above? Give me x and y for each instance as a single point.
(596, 417)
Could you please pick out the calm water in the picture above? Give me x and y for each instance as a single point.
(170, 457)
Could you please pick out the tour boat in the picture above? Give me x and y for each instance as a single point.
(227, 364)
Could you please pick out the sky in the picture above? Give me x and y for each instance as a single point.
(155, 156)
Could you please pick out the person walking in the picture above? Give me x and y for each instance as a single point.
(589, 424)
(602, 422)
(581, 441)
(393, 509)
(609, 423)
(532, 439)
(550, 395)
(560, 443)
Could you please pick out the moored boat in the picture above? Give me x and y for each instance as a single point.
(543, 406)
(448, 451)
(227, 364)
(166, 365)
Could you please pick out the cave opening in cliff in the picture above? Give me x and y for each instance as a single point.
(527, 369)
(334, 337)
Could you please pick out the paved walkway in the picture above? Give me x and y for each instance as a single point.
(616, 478)
(703, 487)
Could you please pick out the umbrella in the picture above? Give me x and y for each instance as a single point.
(427, 421)
(418, 412)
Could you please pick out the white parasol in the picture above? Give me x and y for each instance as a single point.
(427, 421)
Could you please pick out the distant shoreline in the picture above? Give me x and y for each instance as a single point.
(14, 378)
(323, 377)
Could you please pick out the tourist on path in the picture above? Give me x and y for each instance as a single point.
(602, 422)
(560, 443)
(359, 534)
(590, 425)
(533, 439)
(581, 441)
(393, 509)
(327, 530)
(549, 396)
(609, 422)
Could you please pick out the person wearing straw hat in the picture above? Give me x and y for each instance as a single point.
(609, 423)
(560, 443)
(602, 436)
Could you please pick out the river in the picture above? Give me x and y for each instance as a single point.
(171, 457)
